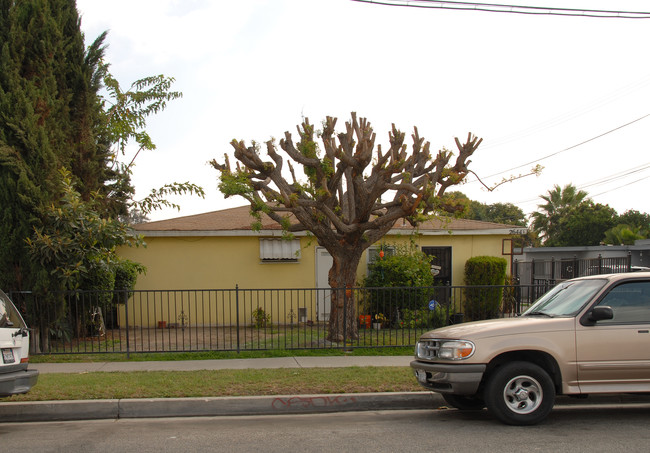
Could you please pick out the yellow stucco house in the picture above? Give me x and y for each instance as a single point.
(197, 265)
(219, 250)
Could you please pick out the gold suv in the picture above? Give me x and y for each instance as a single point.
(590, 335)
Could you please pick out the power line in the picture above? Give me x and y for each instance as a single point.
(604, 180)
(569, 148)
(515, 9)
(567, 116)
(616, 176)
(620, 187)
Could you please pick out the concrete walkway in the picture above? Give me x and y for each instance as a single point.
(228, 364)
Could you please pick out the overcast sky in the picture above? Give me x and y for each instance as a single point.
(530, 86)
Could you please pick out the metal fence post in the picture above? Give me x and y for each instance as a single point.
(126, 316)
(345, 317)
(532, 271)
(600, 264)
(237, 317)
(553, 269)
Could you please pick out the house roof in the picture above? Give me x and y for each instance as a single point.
(237, 222)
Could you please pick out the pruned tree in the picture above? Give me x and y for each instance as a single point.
(353, 194)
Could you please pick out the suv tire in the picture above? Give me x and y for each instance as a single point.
(520, 393)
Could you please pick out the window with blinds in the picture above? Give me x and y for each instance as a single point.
(279, 250)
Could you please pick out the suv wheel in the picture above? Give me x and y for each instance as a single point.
(464, 403)
(520, 393)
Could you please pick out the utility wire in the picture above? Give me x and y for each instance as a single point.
(515, 9)
(619, 187)
(616, 176)
(604, 181)
(569, 148)
(567, 116)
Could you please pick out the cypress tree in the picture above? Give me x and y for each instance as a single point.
(49, 118)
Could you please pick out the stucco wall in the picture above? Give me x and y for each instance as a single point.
(223, 262)
(463, 247)
(216, 263)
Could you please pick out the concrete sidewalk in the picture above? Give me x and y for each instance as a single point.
(227, 364)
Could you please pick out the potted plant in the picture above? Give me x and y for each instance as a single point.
(379, 321)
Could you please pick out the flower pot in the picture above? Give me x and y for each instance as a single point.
(376, 325)
(365, 321)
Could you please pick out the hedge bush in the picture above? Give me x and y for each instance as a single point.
(484, 303)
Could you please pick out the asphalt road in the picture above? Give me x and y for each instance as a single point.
(600, 428)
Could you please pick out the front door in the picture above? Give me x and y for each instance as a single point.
(441, 264)
(441, 268)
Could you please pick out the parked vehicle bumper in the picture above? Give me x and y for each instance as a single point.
(17, 382)
(460, 379)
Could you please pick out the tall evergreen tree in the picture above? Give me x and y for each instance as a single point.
(48, 112)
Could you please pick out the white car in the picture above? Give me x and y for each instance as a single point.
(14, 344)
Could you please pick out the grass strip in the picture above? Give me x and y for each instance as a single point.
(185, 384)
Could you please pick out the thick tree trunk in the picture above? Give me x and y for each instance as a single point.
(342, 277)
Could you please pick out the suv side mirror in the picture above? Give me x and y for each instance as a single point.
(600, 313)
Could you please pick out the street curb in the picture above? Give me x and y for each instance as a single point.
(33, 411)
(40, 411)
(37, 411)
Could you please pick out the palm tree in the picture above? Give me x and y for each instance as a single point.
(558, 201)
(624, 234)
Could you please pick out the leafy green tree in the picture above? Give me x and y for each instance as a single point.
(633, 218)
(75, 243)
(546, 222)
(506, 213)
(623, 234)
(126, 113)
(582, 225)
(75, 248)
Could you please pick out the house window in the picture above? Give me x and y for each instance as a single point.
(373, 254)
(279, 250)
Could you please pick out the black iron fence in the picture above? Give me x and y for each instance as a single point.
(550, 271)
(253, 319)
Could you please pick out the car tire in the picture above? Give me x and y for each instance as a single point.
(520, 393)
(463, 402)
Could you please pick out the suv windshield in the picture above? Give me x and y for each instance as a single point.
(565, 299)
(9, 316)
